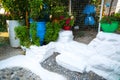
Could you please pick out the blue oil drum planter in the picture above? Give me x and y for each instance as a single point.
(40, 28)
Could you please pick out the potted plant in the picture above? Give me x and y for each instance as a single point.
(15, 10)
(38, 12)
(53, 27)
(67, 22)
(109, 23)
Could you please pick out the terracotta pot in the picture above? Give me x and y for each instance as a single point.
(67, 27)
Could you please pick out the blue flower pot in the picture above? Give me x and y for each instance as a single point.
(41, 29)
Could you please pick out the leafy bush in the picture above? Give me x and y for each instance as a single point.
(23, 34)
(111, 18)
(33, 34)
(16, 8)
(52, 31)
(27, 38)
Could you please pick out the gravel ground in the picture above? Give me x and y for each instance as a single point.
(17, 73)
(50, 64)
(84, 36)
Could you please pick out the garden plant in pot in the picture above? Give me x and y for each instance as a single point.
(54, 26)
(60, 14)
(39, 15)
(67, 22)
(110, 23)
(15, 10)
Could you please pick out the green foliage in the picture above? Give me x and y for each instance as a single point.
(16, 8)
(57, 7)
(52, 31)
(58, 11)
(23, 34)
(117, 15)
(67, 20)
(38, 10)
(110, 18)
(3, 23)
(35, 7)
(33, 34)
(27, 39)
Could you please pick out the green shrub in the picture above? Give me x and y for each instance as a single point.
(52, 31)
(33, 34)
(23, 34)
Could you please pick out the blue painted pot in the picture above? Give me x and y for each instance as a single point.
(41, 29)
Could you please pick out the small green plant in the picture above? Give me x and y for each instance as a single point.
(109, 19)
(110, 23)
(23, 34)
(33, 34)
(27, 39)
(52, 31)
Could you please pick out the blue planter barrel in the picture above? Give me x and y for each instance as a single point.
(41, 29)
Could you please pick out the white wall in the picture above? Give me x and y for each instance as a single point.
(118, 7)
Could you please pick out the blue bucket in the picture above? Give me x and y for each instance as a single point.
(41, 29)
(89, 9)
(89, 20)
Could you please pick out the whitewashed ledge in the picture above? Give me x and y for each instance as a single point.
(97, 56)
(101, 55)
(30, 64)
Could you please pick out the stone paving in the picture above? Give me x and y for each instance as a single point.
(51, 65)
(17, 73)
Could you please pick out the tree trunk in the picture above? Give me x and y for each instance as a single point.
(110, 7)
